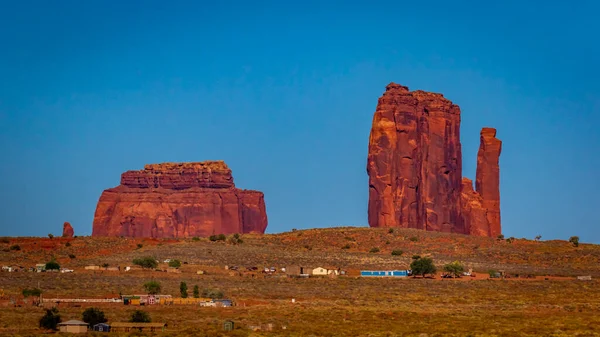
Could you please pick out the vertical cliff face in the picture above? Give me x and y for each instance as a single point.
(487, 181)
(414, 162)
(415, 166)
(179, 200)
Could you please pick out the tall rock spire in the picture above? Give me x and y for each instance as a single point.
(487, 182)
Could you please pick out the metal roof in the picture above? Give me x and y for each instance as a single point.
(73, 322)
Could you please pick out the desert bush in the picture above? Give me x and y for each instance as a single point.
(414, 239)
(152, 287)
(307, 247)
(416, 257)
(52, 265)
(455, 268)
(212, 293)
(72, 256)
(183, 290)
(4, 240)
(235, 239)
(510, 240)
(174, 263)
(51, 236)
(346, 246)
(374, 250)
(196, 291)
(397, 252)
(537, 238)
(139, 246)
(93, 316)
(68, 244)
(574, 240)
(391, 231)
(146, 262)
(195, 238)
(140, 316)
(349, 238)
(15, 247)
(220, 237)
(105, 265)
(31, 292)
(50, 320)
(500, 237)
(423, 266)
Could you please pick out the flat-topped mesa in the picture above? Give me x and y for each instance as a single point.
(179, 200)
(415, 167)
(178, 176)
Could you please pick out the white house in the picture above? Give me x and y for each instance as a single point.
(325, 271)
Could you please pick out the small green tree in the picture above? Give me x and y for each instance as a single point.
(152, 287)
(574, 240)
(183, 289)
(397, 252)
(93, 316)
(422, 266)
(196, 291)
(140, 316)
(52, 265)
(50, 320)
(500, 237)
(147, 262)
(455, 269)
(174, 263)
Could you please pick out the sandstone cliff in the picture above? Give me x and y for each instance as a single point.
(179, 200)
(415, 167)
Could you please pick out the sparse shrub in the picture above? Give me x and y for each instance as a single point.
(422, 266)
(72, 256)
(212, 293)
(574, 240)
(307, 247)
(416, 257)
(183, 289)
(500, 237)
(220, 237)
(391, 231)
(140, 316)
(105, 265)
(93, 316)
(152, 287)
(147, 262)
(174, 263)
(68, 244)
(374, 250)
(31, 292)
(50, 320)
(537, 238)
(387, 242)
(15, 247)
(492, 273)
(414, 239)
(510, 240)
(346, 246)
(52, 265)
(455, 268)
(235, 239)
(51, 236)
(397, 252)
(139, 245)
(196, 291)
(195, 238)
(4, 240)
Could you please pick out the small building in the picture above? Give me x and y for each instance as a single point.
(383, 273)
(73, 326)
(297, 271)
(92, 267)
(585, 278)
(40, 267)
(141, 327)
(223, 303)
(101, 327)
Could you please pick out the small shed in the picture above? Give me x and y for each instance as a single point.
(297, 270)
(102, 327)
(73, 326)
(320, 271)
(228, 326)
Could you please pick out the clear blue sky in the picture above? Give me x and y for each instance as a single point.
(285, 93)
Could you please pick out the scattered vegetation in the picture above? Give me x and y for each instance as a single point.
(391, 231)
(139, 246)
(105, 265)
(574, 240)
(68, 244)
(220, 237)
(52, 265)
(196, 291)
(15, 247)
(183, 289)
(235, 239)
(72, 256)
(538, 238)
(93, 316)
(50, 319)
(174, 263)
(346, 246)
(455, 269)
(212, 293)
(34, 292)
(397, 252)
(140, 316)
(423, 266)
(195, 239)
(152, 287)
(500, 237)
(414, 239)
(374, 250)
(147, 262)
(51, 236)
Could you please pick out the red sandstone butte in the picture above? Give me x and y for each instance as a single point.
(179, 200)
(487, 180)
(415, 167)
(67, 230)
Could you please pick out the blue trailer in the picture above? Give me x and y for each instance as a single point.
(384, 273)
